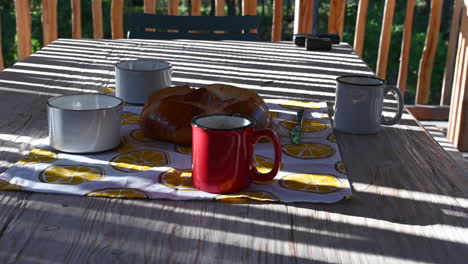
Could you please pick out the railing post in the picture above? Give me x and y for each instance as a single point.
(385, 37)
(361, 26)
(97, 19)
(1, 52)
(76, 18)
(219, 6)
(277, 25)
(427, 60)
(336, 18)
(451, 52)
(196, 8)
(117, 19)
(173, 6)
(303, 16)
(249, 7)
(23, 28)
(49, 21)
(406, 47)
(150, 6)
(457, 131)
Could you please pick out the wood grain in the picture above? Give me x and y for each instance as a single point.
(427, 60)
(303, 16)
(117, 19)
(410, 196)
(277, 24)
(385, 38)
(173, 7)
(406, 47)
(150, 6)
(451, 53)
(458, 119)
(429, 112)
(76, 18)
(23, 28)
(98, 31)
(361, 22)
(1, 50)
(49, 21)
(337, 16)
(219, 6)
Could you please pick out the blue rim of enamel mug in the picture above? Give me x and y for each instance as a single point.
(194, 122)
(381, 82)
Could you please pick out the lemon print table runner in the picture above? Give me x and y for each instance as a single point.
(144, 168)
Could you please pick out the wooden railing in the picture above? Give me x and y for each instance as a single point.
(302, 24)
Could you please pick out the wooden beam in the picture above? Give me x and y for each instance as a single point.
(76, 18)
(451, 52)
(150, 6)
(427, 60)
(1, 52)
(173, 8)
(457, 131)
(406, 47)
(385, 37)
(219, 5)
(277, 24)
(429, 112)
(49, 21)
(23, 28)
(303, 16)
(196, 7)
(361, 22)
(117, 19)
(337, 16)
(98, 32)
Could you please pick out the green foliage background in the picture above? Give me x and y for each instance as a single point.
(233, 7)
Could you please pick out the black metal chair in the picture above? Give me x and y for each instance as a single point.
(193, 27)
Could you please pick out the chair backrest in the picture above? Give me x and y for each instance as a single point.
(192, 27)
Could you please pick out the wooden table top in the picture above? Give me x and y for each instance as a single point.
(410, 204)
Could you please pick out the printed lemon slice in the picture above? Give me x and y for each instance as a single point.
(307, 125)
(130, 118)
(139, 135)
(325, 116)
(70, 174)
(6, 186)
(183, 149)
(340, 167)
(177, 179)
(141, 160)
(243, 197)
(108, 90)
(274, 114)
(265, 165)
(314, 183)
(119, 193)
(125, 148)
(309, 151)
(332, 138)
(39, 156)
(296, 105)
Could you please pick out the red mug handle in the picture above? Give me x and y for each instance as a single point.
(276, 144)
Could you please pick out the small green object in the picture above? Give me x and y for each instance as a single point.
(296, 132)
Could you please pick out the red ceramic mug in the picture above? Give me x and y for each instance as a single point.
(223, 153)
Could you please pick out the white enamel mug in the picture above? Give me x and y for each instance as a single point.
(84, 123)
(136, 80)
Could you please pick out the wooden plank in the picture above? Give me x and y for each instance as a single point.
(385, 37)
(150, 6)
(98, 31)
(406, 46)
(117, 19)
(303, 16)
(76, 18)
(1, 51)
(458, 120)
(361, 22)
(277, 25)
(219, 6)
(451, 53)
(23, 28)
(427, 60)
(49, 21)
(429, 112)
(173, 7)
(196, 8)
(390, 219)
(337, 16)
